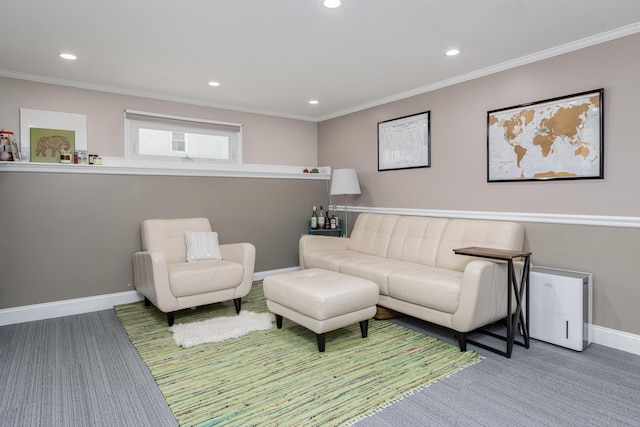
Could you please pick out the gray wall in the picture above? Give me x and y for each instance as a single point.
(73, 236)
(457, 179)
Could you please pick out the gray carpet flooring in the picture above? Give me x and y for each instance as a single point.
(82, 371)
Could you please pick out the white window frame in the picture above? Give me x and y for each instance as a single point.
(134, 119)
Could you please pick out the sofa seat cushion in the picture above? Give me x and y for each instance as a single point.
(193, 278)
(376, 269)
(333, 260)
(434, 288)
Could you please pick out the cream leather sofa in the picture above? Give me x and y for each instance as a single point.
(411, 259)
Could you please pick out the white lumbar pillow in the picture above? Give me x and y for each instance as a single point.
(202, 245)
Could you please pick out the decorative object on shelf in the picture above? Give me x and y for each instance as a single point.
(315, 170)
(559, 138)
(65, 157)
(80, 157)
(345, 181)
(47, 121)
(8, 147)
(405, 142)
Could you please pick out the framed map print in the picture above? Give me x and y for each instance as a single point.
(559, 138)
(404, 143)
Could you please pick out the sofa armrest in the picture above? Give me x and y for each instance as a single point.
(315, 243)
(245, 254)
(151, 279)
(483, 295)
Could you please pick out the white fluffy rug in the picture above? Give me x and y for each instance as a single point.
(221, 328)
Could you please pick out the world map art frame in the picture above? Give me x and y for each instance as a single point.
(554, 139)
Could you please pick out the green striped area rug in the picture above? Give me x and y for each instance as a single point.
(277, 377)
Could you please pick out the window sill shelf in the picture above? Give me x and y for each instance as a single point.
(120, 166)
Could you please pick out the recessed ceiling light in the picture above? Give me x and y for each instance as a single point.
(452, 52)
(314, 102)
(69, 56)
(214, 84)
(331, 4)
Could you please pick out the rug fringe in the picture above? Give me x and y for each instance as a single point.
(409, 393)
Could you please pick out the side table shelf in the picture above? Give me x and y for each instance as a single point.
(327, 231)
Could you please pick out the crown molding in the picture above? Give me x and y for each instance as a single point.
(538, 56)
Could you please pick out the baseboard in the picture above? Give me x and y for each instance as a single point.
(261, 275)
(49, 310)
(615, 339)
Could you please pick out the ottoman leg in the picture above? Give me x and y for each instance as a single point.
(279, 321)
(320, 342)
(364, 328)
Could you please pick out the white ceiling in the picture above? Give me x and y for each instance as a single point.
(273, 56)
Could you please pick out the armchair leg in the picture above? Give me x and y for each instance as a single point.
(170, 318)
(462, 340)
(237, 302)
(321, 342)
(147, 303)
(364, 328)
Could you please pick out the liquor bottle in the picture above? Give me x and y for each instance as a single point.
(334, 219)
(321, 219)
(314, 219)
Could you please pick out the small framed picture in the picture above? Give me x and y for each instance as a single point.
(405, 142)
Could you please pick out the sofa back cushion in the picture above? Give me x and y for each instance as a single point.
(416, 239)
(167, 236)
(371, 234)
(461, 233)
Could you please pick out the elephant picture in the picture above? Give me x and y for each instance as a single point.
(48, 144)
(56, 143)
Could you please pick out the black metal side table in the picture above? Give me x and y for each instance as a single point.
(517, 320)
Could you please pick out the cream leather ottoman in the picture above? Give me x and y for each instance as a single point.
(321, 300)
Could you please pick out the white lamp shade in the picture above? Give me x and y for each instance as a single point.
(345, 181)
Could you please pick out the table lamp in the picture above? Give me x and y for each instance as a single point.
(345, 181)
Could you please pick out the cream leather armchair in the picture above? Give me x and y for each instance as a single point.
(168, 281)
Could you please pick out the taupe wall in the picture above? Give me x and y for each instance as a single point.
(73, 235)
(266, 139)
(457, 179)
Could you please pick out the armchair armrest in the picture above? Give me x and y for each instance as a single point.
(245, 254)
(151, 279)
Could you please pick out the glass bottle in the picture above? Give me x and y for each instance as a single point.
(314, 219)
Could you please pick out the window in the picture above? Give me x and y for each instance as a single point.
(150, 136)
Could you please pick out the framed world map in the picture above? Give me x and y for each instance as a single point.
(559, 138)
